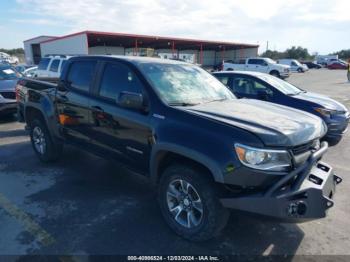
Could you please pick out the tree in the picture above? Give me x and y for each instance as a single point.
(298, 53)
(343, 54)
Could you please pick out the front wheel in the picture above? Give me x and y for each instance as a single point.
(275, 73)
(190, 204)
(44, 147)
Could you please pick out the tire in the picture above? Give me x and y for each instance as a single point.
(275, 73)
(202, 191)
(300, 70)
(332, 141)
(43, 146)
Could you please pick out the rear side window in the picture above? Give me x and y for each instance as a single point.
(80, 74)
(116, 78)
(54, 65)
(253, 61)
(62, 64)
(44, 62)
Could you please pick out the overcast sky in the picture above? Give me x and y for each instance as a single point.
(320, 25)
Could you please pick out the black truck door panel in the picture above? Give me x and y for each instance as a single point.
(119, 131)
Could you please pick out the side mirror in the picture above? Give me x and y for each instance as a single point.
(131, 100)
(61, 86)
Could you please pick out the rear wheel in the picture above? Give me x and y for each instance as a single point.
(42, 143)
(190, 204)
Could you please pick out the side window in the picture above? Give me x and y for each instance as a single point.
(294, 64)
(223, 79)
(54, 65)
(116, 78)
(63, 62)
(44, 62)
(249, 86)
(81, 74)
(253, 61)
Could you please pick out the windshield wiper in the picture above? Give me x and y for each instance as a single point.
(182, 104)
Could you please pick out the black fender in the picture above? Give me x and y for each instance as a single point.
(185, 152)
(43, 104)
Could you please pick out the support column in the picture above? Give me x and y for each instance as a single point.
(173, 48)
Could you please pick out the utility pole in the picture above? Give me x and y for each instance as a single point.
(267, 45)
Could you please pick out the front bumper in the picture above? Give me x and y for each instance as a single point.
(304, 194)
(338, 127)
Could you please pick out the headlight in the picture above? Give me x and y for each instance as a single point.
(264, 159)
(325, 112)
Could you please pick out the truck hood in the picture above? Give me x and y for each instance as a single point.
(8, 85)
(274, 124)
(321, 100)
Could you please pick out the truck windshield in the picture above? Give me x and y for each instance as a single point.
(283, 86)
(184, 85)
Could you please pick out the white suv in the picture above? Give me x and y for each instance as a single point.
(51, 66)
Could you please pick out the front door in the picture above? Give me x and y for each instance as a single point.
(120, 132)
(248, 87)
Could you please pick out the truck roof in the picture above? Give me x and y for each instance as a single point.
(132, 59)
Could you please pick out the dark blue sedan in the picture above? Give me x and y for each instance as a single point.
(266, 87)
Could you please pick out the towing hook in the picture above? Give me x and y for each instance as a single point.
(337, 179)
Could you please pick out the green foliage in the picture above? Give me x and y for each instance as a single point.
(299, 53)
(14, 51)
(343, 54)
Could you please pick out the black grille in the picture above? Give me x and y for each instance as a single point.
(8, 95)
(302, 148)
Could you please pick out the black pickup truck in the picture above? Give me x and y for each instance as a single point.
(205, 151)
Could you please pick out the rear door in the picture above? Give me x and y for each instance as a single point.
(119, 132)
(73, 101)
(53, 68)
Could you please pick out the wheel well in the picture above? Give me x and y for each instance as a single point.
(274, 71)
(33, 113)
(165, 159)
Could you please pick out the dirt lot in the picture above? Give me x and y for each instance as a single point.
(85, 205)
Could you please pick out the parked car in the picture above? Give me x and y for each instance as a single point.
(268, 88)
(6, 58)
(30, 72)
(51, 67)
(295, 65)
(337, 65)
(205, 151)
(312, 65)
(22, 68)
(8, 81)
(259, 64)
